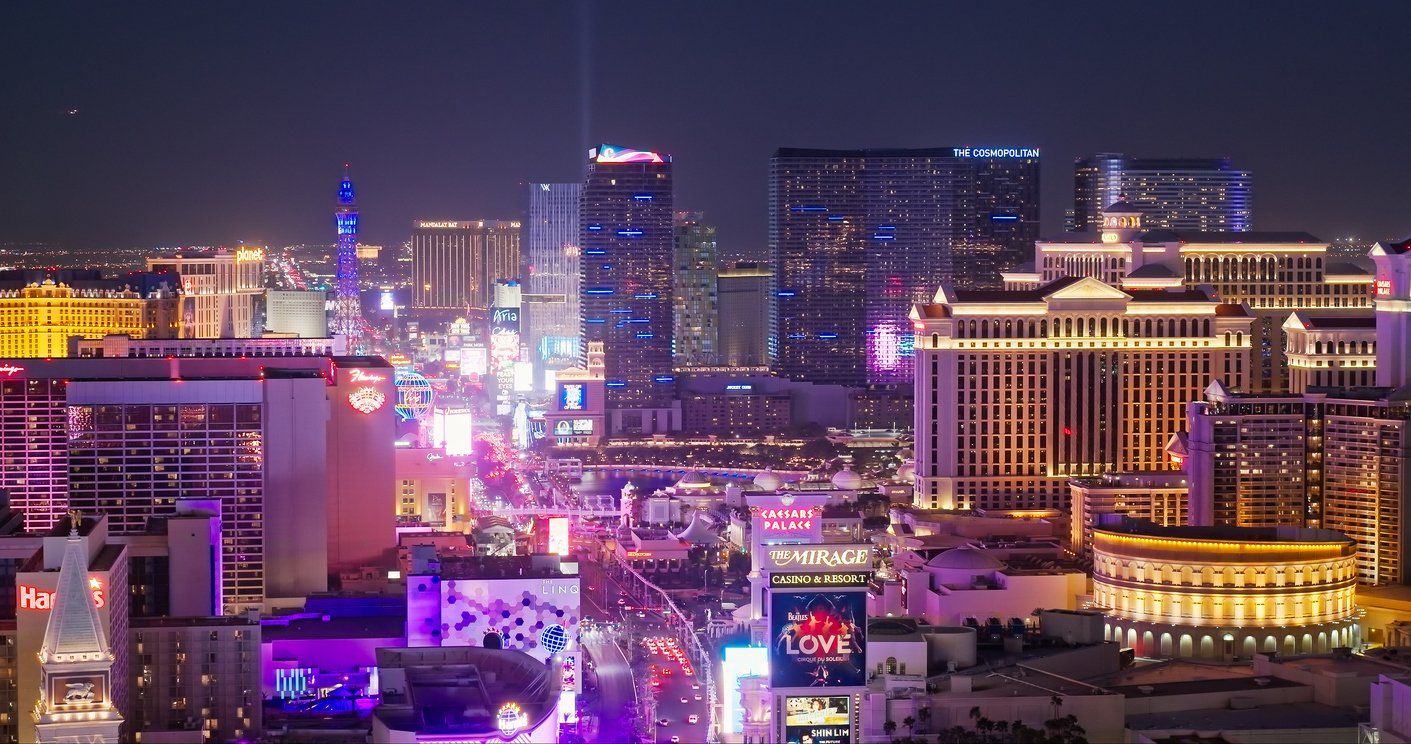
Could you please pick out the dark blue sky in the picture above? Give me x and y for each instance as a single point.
(213, 122)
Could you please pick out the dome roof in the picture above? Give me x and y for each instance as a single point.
(966, 557)
(768, 481)
(698, 532)
(1122, 206)
(847, 480)
(906, 453)
(693, 480)
(907, 472)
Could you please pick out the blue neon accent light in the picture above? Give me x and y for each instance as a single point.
(607, 267)
(638, 320)
(810, 208)
(616, 383)
(646, 335)
(1004, 217)
(798, 336)
(664, 378)
(884, 236)
(643, 197)
(594, 228)
(600, 290)
(827, 336)
(594, 320)
(595, 252)
(630, 232)
(621, 310)
(645, 296)
(887, 228)
(836, 218)
(785, 293)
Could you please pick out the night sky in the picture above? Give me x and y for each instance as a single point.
(210, 123)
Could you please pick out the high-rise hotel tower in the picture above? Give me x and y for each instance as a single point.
(626, 239)
(857, 236)
(1018, 391)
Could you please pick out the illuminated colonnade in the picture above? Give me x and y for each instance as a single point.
(1221, 592)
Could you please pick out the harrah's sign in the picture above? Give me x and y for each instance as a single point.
(34, 598)
(818, 556)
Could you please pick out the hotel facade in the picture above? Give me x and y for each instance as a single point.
(1018, 391)
(1274, 274)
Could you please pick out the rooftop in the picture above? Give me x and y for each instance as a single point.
(1283, 716)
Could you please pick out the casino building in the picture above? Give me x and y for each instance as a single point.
(808, 614)
(1274, 274)
(1224, 592)
(40, 311)
(1020, 390)
(129, 437)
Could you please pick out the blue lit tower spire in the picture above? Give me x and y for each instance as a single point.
(347, 314)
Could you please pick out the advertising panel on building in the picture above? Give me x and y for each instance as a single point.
(573, 396)
(537, 616)
(817, 719)
(817, 639)
(815, 558)
(787, 518)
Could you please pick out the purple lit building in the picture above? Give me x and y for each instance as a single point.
(857, 236)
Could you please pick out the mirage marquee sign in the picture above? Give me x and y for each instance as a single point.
(817, 557)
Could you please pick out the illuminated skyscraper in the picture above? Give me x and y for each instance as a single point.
(455, 263)
(1207, 194)
(697, 264)
(746, 312)
(627, 241)
(550, 274)
(348, 311)
(857, 236)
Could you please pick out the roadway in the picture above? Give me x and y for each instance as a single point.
(605, 599)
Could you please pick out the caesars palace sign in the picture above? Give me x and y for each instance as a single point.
(804, 557)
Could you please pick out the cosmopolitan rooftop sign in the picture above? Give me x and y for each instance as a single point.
(805, 557)
(995, 152)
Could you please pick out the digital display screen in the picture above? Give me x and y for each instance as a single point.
(573, 396)
(818, 720)
(817, 639)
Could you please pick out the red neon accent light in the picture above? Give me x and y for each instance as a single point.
(1067, 432)
(34, 598)
(10, 370)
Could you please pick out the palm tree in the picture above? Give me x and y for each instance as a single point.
(890, 727)
(924, 715)
(910, 723)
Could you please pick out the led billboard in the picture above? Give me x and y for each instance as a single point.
(817, 720)
(817, 639)
(573, 396)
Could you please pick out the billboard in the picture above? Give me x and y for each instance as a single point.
(787, 518)
(817, 719)
(739, 661)
(537, 616)
(834, 579)
(808, 558)
(558, 535)
(817, 639)
(573, 396)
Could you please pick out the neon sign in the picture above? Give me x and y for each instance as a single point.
(249, 253)
(34, 598)
(367, 400)
(787, 520)
(360, 375)
(510, 719)
(10, 370)
(995, 152)
(1382, 288)
(824, 557)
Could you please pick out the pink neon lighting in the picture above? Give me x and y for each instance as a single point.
(615, 154)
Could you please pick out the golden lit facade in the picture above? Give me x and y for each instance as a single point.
(1274, 274)
(1156, 497)
(1338, 352)
(1018, 391)
(220, 291)
(1224, 592)
(38, 320)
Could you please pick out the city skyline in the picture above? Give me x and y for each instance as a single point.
(155, 153)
